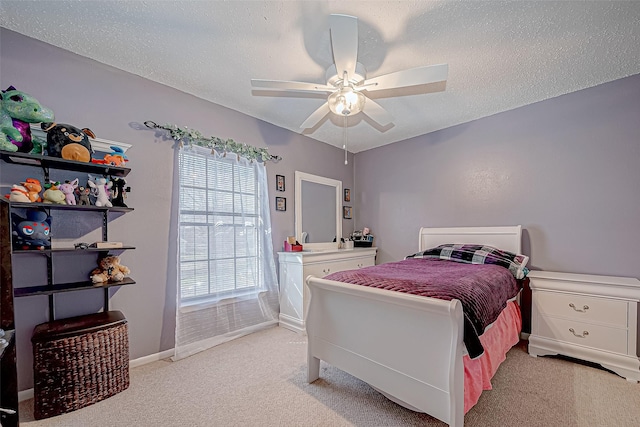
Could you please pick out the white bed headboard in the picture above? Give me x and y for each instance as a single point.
(505, 238)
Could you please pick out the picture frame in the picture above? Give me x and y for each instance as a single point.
(279, 182)
(281, 204)
(347, 195)
(346, 212)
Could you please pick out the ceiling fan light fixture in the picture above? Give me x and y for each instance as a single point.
(346, 102)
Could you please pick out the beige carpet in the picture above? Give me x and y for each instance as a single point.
(260, 380)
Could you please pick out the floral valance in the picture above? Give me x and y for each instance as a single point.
(193, 137)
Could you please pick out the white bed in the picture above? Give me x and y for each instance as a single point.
(387, 338)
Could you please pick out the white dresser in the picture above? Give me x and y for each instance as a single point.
(593, 318)
(296, 266)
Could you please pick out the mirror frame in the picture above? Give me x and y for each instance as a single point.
(303, 176)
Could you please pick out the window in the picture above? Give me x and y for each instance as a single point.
(219, 250)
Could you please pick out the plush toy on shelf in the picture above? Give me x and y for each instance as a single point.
(27, 192)
(109, 270)
(68, 142)
(115, 158)
(120, 191)
(101, 188)
(18, 193)
(53, 195)
(34, 188)
(17, 110)
(32, 232)
(83, 195)
(69, 190)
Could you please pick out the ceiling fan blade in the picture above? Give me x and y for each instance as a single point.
(376, 112)
(316, 116)
(410, 77)
(293, 86)
(344, 43)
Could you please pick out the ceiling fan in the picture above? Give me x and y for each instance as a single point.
(347, 85)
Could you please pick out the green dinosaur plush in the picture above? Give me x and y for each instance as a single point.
(17, 110)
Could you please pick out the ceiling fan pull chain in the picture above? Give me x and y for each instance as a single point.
(344, 136)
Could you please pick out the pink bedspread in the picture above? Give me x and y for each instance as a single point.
(497, 340)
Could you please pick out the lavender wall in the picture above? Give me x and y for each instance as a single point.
(114, 104)
(567, 169)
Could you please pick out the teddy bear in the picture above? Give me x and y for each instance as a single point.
(109, 270)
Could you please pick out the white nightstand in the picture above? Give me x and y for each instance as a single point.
(593, 318)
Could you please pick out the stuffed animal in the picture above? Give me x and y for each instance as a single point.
(83, 195)
(69, 189)
(27, 192)
(120, 192)
(115, 158)
(68, 142)
(32, 232)
(34, 188)
(53, 194)
(101, 187)
(109, 270)
(17, 110)
(18, 193)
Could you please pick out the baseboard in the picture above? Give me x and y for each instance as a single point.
(25, 395)
(150, 358)
(28, 394)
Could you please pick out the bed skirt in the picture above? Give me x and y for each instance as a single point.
(497, 340)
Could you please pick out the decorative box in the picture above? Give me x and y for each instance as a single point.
(288, 247)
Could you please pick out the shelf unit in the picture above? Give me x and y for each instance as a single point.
(50, 289)
(8, 378)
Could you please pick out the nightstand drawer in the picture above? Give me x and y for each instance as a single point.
(582, 308)
(596, 336)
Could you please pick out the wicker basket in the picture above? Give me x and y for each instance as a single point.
(79, 361)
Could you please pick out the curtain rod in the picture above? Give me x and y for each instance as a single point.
(193, 137)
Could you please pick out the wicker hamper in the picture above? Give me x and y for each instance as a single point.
(79, 361)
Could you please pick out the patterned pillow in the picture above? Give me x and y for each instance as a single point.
(479, 254)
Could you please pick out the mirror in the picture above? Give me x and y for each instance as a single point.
(317, 211)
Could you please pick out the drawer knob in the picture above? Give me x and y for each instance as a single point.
(584, 333)
(584, 308)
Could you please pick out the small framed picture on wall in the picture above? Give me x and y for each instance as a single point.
(346, 212)
(280, 182)
(347, 195)
(281, 204)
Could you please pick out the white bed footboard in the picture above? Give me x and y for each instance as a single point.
(408, 347)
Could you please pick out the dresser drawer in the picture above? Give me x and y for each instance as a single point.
(596, 336)
(326, 268)
(352, 264)
(582, 308)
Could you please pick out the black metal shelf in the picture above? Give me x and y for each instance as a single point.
(63, 164)
(67, 287)
(70, 250)
(25, 205)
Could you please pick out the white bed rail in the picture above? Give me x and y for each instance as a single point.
(408, 347)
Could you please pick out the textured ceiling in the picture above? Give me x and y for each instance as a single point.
(501, 55)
